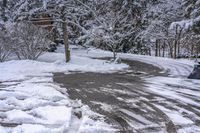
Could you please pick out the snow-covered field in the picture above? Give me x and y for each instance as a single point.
(30, 102)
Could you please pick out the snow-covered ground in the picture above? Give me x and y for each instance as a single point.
(30, 102)
(179, 67)
(182, 104)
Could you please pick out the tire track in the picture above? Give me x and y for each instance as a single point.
(134, 88)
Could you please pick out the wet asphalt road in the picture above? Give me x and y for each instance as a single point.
(122, 98)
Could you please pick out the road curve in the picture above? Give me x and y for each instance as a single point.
(124, 100)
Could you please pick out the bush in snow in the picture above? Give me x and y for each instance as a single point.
(5, 46)
(30, 41)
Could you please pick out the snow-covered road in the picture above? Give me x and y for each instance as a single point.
(169, 93)
(31, 102)
(137, 100)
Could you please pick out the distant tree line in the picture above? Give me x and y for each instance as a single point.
(167, 28)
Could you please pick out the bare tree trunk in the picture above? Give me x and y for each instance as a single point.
(159, 49)
(171, 52)
(114, 54)
(149, 52)
(65, 38)
(178, 48)
(192, 50)
(170, 44)
(163, 54)
(175, 48)
(177, 40)
(156, 50)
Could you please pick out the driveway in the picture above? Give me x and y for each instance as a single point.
(125, 100)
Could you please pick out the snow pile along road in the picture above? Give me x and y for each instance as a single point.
(179, 67)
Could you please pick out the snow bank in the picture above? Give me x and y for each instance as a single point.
(175, 67)
(54, 62)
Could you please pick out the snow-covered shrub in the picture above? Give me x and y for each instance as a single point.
(5, 46)
(31, 41)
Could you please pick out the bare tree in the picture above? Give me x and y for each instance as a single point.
(5, 46)
(108, 35)
(191, 43)
(177, 33)
(67, 14)
(31, 41)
